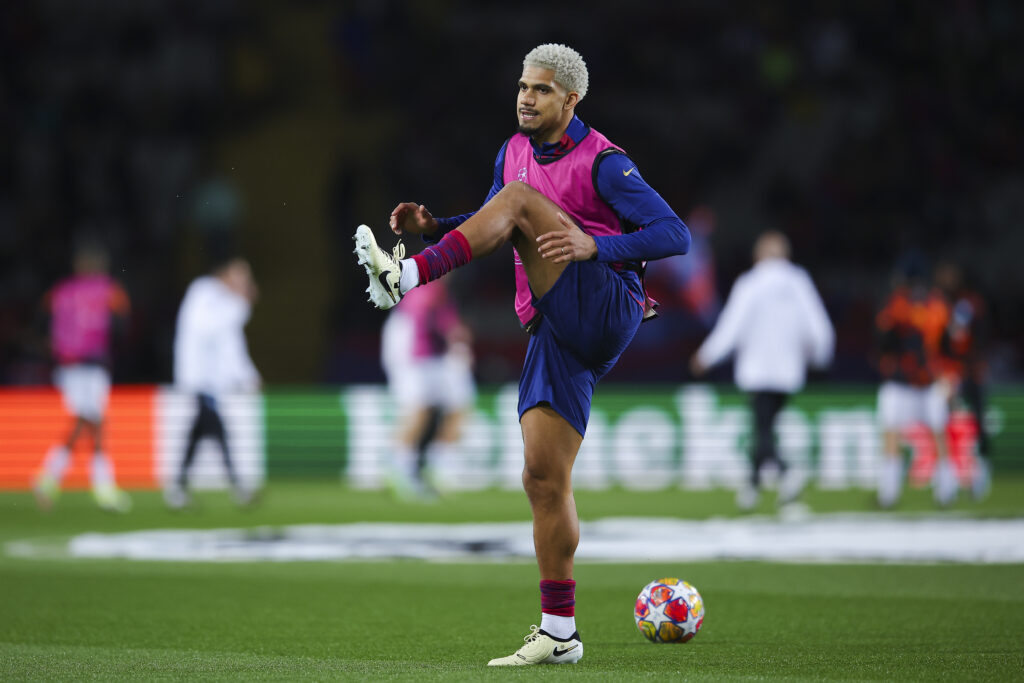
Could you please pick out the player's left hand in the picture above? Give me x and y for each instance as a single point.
(571, 244)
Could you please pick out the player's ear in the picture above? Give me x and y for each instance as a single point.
(571, 100)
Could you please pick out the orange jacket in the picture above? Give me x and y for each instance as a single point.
(914, 344)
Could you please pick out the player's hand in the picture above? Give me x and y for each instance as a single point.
(697, 368)
(413, 218)
(571, 244)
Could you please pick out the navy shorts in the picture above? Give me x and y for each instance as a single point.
(589, 317)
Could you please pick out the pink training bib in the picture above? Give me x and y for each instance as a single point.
(81, 307)
(568, 182)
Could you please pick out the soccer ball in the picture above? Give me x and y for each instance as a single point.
(669, 611)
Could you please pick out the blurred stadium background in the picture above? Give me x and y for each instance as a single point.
(870, 133)
(171, 128)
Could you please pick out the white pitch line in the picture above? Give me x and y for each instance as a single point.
(809, 538)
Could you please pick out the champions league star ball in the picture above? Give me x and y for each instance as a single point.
(669, 611)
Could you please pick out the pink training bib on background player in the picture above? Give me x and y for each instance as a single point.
(433, 316)
(81, 307)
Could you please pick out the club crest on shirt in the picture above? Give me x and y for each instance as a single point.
(522, 175)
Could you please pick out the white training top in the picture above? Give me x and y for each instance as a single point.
(210, 352)
(775, 323)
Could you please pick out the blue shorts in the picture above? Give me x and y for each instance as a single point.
(589, 317)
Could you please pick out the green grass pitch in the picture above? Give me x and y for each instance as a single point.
(409, 620)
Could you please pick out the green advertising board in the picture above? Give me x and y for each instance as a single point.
(644, 437)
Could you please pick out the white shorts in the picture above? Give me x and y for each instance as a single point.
(85, 389)
(902, 405)
(438, 381)
(443, 382)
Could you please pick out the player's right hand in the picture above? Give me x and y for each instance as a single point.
(412, 217)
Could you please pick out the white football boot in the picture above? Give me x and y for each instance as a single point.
(112, 499)
(791, 485)
(383, 269)
(541, 648)
(177, 497)
(46, 489)
(747, 497)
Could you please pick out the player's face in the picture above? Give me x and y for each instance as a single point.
(544, 108)
(238, 277)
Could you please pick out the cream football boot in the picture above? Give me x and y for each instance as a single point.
(383, 269)
(540, 648)
(46, 490)
(112, 499)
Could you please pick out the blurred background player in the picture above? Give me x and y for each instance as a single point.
(689, 283)
(211, 359)
(913, 336)
(426, 355)
(84, 310)
(775, 323)
(966, 337)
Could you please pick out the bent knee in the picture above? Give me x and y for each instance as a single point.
(523, 200)
(544, 479)
(517, 188)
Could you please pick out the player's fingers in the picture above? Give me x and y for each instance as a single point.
(557, 253)
(551, 237)
(566, 223)
(549, 244)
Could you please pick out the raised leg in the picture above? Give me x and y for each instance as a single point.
(517, 214)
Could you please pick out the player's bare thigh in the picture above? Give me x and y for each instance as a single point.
(537, 215)
(518, 214)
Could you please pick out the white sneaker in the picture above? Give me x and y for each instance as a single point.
(541, 648)
(245, 496)
(46, 490)
(383, 269)
(176, 497)
(791, 485)
(747, 497)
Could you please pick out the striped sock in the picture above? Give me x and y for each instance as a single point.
(558, 597)
(558, 608)
(451, 252)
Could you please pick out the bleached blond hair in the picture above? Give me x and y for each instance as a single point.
(569, 67)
